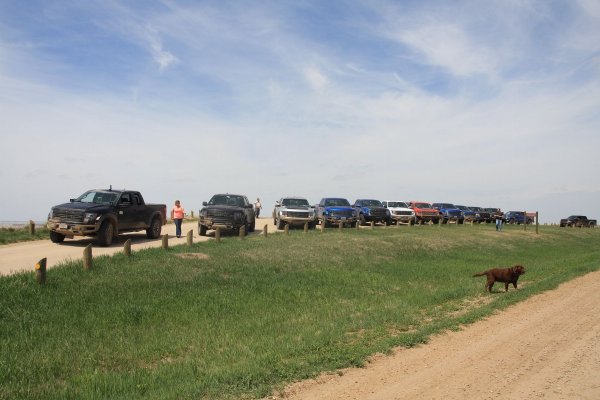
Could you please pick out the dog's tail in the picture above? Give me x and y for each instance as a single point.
(480, 274)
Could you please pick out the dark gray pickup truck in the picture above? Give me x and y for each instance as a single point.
(104, 214)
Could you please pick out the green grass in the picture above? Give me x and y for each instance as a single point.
(244, 317)
(13, 235)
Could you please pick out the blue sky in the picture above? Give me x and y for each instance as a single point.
(494, 103)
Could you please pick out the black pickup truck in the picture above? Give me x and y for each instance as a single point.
(228, 212)
(105, 213)
(578, 221)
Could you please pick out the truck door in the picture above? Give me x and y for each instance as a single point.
(125, 212)
(141, 213)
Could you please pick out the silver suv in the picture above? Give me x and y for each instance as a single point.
(294, 211)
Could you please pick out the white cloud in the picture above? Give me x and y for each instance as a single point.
(449, 47)
(315, 78)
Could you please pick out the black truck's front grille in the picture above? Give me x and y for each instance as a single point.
(72, 216)
(220, 217)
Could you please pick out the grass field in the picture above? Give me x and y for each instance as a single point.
(238, 319)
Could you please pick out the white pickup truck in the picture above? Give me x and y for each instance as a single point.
(400, 212)
(294, 211)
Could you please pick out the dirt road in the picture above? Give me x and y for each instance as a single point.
(547, 347)
(23, 256)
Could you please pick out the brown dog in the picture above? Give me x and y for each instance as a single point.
(506, 275)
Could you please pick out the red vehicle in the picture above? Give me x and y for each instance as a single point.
(424, 212)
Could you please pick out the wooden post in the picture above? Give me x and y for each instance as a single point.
(218, 234)
(242, 232)
(357, 225)
(286, 229)
(31, 227)
(165, 241)
(306, 227)
(40, 271)
(192, 214)
(190, 237)
(265, 230)
(372, 224)
(341, 225)
(87, 257)
(127, 248)
(537, 222)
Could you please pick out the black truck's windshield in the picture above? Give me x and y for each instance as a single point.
(98, 197)
(227, 200)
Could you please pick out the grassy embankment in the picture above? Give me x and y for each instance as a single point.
(13, 235)
(238, 319)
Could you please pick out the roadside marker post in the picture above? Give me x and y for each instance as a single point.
(218, 234)
(265, 230)
(127, 248)
(190, 238)
(87, 257)
(286, 229)
(165, 241)
(31, 228)
(40, 271)
(242, 232)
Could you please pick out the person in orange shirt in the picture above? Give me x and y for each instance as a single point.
(177, 213)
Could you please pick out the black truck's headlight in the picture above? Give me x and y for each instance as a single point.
(89, 218)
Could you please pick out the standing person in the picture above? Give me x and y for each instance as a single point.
(257, 207)
(177, 213)
(499, 217)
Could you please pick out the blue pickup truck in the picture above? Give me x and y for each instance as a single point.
(372, 211)
(333, 210)
(517, 217)
(449, 213)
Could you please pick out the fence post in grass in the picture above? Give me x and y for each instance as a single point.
(190, 237)
(242, 232)
(357, 225)
(306, 227)
(537, 222)
(218, 234)
(372, 224)
(127, 248)
(40, 271)
(87, 257)
(31, 227)
(286, 229)
(341, 225)
(524, 220)
(165, 241)
(192, 214)
(265, 230)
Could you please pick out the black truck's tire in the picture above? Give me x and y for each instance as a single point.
(280, 224)
(56, 237)
(155, 227)
(106, 234)
(252, 226)
(202, 230)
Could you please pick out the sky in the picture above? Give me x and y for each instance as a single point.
(477, 103)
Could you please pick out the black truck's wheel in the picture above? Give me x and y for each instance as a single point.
(106, 234)
(252, 226)
(56, 237)
(202, 230)
(154, 231)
